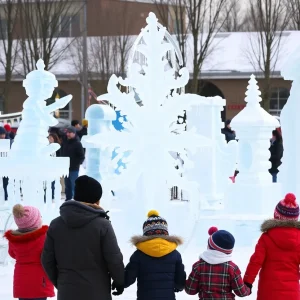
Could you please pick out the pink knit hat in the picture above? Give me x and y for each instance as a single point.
(27, 217)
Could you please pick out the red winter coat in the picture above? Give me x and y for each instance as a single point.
(30, 280)
(277, 256)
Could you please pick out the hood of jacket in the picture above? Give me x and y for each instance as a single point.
(284, 233)
(156, 245)
(15, 236)
(78, 214)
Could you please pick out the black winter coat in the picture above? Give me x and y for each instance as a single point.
(81, 253)
(157, 267)
(229, 134)
(72, 148)
(276, 150)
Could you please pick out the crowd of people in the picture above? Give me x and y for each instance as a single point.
(78, 254)
(70, 141)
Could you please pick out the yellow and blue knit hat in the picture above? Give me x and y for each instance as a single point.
(155, 225)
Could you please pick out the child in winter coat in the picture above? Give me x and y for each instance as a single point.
(215, 276)
(156, 264)
(25, 245)
(277, 254)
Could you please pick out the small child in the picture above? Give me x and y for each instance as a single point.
(25, 245)
(215, 276)
(156, 264)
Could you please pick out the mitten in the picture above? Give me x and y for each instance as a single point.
(249, 285)
(120, 289)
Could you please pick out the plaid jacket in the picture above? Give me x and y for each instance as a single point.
(216, 281)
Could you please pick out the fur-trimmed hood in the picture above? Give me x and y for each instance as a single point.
(156, 245)
(284, 233)
(18, 237)
(274, 223)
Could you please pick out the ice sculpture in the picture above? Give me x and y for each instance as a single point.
(253, 189)
(98, 165)
(289, 171)
(150, 128)
(219, 160)
(29, 160)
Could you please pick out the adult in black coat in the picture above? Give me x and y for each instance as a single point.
(276, 151)
(73, 149)
(228, 132)
(156, 264)
(81, 254)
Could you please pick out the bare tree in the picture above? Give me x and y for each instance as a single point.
(43, 24)
(8, 56)
(294, 9)
(233, 17)
(173, 14)
(269, 19)
(202, 19)
(205, 21)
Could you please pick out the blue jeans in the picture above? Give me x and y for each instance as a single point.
(274, 177)
(70, 184)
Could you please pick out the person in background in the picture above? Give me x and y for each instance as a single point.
(276, 151)
(215, 275)
(156, 264)
(84, 129)
(5, 180)
(81, 254)
(11, 135)
(76, 124)
(277, 254)
(25, 245)
(53, 138)
(228, 132)
(73, 149)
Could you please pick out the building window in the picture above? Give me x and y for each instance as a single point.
(67, 26)
(3, 29)
(279, 97)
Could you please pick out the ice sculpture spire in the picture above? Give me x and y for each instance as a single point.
(29, 159)
(150, 132)
(289, 171)
(253, 93)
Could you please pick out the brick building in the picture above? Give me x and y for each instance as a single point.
(225, 72)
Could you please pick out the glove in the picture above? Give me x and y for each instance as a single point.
(177, 290)
(120, 289)
(249, 285)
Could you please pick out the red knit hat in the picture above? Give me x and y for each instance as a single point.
(287, 209)
(7, 127)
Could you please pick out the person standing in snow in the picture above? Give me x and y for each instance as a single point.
(25, 245)
(228, 132)
(81, 253)
(276, 150)
(277, 254)
(214, 275)
(73, 149)
(10, 134)
(156, 264)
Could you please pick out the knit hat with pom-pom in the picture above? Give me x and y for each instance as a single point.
(287, 209)
(155, 225)
(27, 217)
(220, 240)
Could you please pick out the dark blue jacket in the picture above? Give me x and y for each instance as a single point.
(157, 267)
